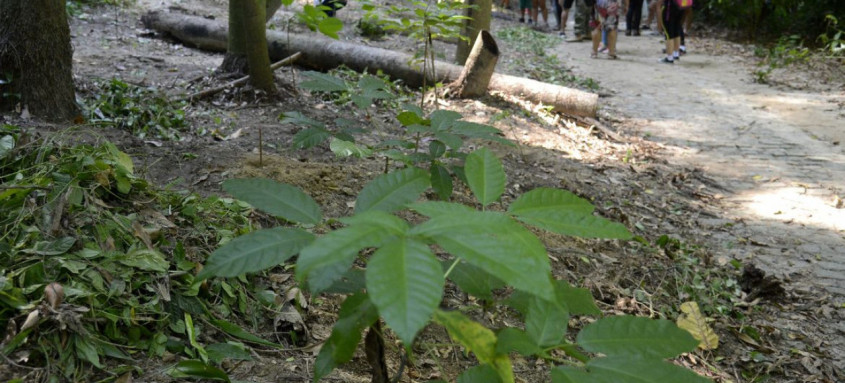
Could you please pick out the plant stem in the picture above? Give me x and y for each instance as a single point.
(452, 267)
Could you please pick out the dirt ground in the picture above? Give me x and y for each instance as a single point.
(744, 171)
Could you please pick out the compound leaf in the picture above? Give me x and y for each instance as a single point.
(310, 137)
(255, 251)
(392, 191)
(575, 224)
(356, 314)
(629, 335)
(326, 259)
(473, 280)
(278, 199)
(485, 175)
(546, 322)
(626, 369)
(496, 244)
(478, 339)
(550, 199)
(405, 281)
(322, 82)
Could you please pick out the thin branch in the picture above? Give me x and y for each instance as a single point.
(238, 82)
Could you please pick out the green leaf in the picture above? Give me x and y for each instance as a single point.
(575, 224)
(197, 369)
(513, 339)
(7, 143)
(453, 141)
(145, 259)
(192, 337)
(626, 369)
(630, 335)
(549, 199)
(473, 280)
(309, 138)
(477, 339)
(496, 244)
(392, 191)
(321, 82)
(86, 351)
(579, 301)
(485, 175)
(219, 352)
(442, 119)
(342, 148)
(55, 247)
(480, 374)
(278, 199)
(436, 149)
(330, 26)
(236, 331)
(436, 208)
(356, 314)
(441, 181)
(546, 322)
(405, 281)
(255, 251)
(325, 260)
(382, 220)
(408, 118)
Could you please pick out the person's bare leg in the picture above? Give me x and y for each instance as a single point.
(563, 17)
(596, 41)
(611, 43)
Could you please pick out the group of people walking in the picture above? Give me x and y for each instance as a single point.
(599, 19)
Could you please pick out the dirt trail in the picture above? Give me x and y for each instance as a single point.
(777, 153)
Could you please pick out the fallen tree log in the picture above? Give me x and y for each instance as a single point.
(323, 53)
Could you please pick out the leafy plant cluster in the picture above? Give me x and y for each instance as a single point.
(409, 261)
(787, 51)
(768, 19)
(423, 21)
(537, 64)
(96, 267)
(434, 141)
(143, 111)
(833, 40)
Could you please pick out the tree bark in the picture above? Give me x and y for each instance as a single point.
(260, 74)
(247, 44)
(479, 12)
(479, 67)
(323, 53)
(36, 58)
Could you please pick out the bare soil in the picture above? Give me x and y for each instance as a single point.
(735, 169)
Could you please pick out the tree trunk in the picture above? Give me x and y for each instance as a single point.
(36, 58)
(247, 44)
(479, 12)
(323, 53)
(475, 78)
(260, 75)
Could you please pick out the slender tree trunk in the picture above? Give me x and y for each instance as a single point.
(260, 74)
(479, 67)
(36, 58)
(247, 42)
(479, 12)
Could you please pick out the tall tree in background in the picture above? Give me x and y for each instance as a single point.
(479, 13)
(247, 45)
(36, 58)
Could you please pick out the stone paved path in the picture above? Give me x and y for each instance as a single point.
(773, 151)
